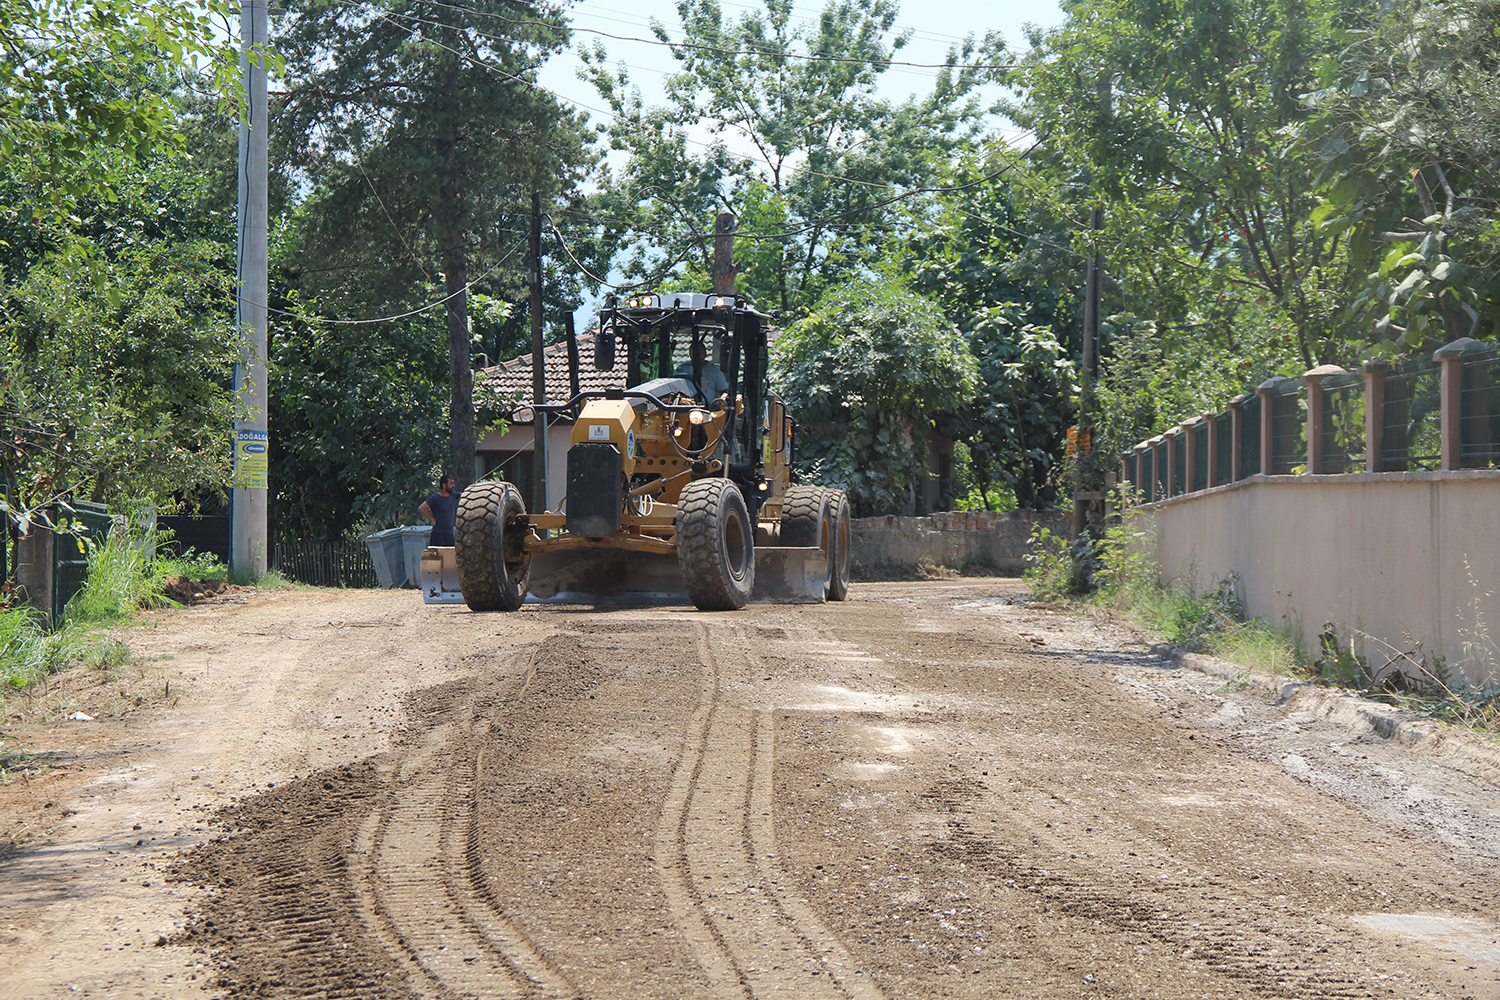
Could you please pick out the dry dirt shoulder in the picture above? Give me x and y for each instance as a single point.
(933, 790)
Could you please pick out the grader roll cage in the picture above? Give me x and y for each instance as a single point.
(670, 489)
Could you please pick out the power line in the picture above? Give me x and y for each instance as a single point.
(717, 50)
(389, 319)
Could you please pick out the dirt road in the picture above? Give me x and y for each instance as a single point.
(933, 790)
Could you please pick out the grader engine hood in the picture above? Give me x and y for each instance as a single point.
(601, 459)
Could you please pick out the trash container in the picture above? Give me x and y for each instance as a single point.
(387, 556)
(413, 541)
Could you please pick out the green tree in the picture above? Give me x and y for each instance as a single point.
(829, 154)
(357, 442)
(423, 134)
(1405, 123)
(116, 373)
(1003, 275)
(1178, 117)
(865, 374)
(69, 83)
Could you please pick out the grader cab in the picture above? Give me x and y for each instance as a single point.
(680, 483)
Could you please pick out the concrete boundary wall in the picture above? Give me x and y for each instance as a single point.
(952, 538)
(1395, 560)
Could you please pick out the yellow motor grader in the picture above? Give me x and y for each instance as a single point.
(679, 483)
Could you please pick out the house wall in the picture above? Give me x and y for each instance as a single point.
(1393, 560)
(522, 437)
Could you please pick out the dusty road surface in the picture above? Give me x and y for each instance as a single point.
(933, 790)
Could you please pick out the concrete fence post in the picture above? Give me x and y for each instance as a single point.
(1170, 438)
(1189, 456)
(1157, 492)
(1452, 397)
(1315, 424)
(1375, 373)
(1267, 413)
(1212, 429)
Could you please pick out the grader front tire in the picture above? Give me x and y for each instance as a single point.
(838, 529)
(807, 522)
(715, 545)
(493, 566)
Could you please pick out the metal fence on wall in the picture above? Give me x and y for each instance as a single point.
(1412, 415)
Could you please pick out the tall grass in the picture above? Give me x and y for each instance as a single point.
(1119, 571)
(122, 579)
(29, 652)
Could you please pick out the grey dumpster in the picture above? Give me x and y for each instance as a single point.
(413, 541)
(387, 556)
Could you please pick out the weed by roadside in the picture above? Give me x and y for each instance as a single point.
(925, 570)
(1119, 571)
(122, 578)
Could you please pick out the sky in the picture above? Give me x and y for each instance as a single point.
(935, 28)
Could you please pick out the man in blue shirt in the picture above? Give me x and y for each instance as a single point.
(439, 510)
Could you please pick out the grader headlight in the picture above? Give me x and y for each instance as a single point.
(699, 417)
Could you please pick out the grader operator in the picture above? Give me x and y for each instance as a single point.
(679, 483)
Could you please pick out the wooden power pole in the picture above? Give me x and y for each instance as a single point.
(1088, 493)
(538, 361)
(726, 270)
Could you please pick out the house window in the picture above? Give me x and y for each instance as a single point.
(513, 467)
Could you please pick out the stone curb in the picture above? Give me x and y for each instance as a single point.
(1459, 748)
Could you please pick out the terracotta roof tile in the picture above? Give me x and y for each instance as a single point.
(512, 379)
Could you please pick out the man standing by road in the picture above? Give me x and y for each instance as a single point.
(439, 510)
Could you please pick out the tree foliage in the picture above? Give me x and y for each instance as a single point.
(116, 372)
(869, 368)
(829, 154)
(1178, 116)
(357, 441)
(70, 75)
(1002, 272)
(1406, 123)
(423, 135)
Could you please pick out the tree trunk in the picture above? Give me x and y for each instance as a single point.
(452, 223)
(460, 373)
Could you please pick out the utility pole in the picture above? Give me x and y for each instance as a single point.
(726, 269)
(538, 361)
(252, 443)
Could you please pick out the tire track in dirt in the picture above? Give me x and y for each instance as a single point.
(422, 889)
(1219, 937)
(716, 856)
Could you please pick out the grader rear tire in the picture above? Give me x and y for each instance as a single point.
(838, 520)
(493, 566)
(715, 545)
(807, 522)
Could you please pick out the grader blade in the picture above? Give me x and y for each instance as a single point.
(439, 571)
(605, 574)
(790, 575)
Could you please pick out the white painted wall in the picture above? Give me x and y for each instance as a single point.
(1392, 559)
(522, 437)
